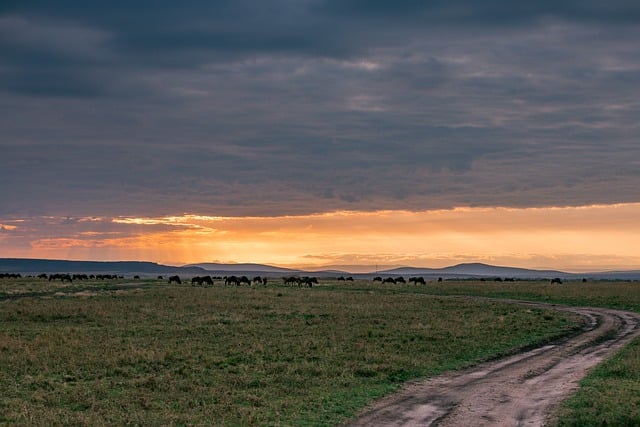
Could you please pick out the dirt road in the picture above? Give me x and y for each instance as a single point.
(521, 390)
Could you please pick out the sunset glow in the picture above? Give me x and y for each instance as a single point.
(584, 238)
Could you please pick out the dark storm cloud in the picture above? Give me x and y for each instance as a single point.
(246, 107)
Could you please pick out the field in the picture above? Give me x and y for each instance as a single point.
(149, 353)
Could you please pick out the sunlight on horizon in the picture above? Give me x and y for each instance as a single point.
(572, 238)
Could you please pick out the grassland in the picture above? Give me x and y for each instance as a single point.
(610, 394)
(101, 353)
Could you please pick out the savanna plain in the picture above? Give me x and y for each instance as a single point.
(145, 352)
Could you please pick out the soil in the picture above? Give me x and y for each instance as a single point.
(524, 389)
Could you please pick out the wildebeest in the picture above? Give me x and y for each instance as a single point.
(377, 279)
(235, 280)
(400, 280)
(349, 279)
(389, 280)
(231, 280)
(417, 280)
(61, 277)
(260, 280)
(306, 280)
(107, 276)
(290, 280)
(175, 279)
(200, 281)
(556, 280)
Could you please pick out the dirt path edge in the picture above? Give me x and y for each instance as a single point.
(523, 389)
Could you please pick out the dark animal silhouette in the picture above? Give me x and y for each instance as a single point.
(62, 277)
(389, 280)
(400, 280)
(556, 280)
(309, 281)
(202, 280)
(377, 279)
(260, 280)
(292, 280)
(417, 280)
(231, 280)
(175, 279)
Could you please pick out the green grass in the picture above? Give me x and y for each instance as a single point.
(610, 394)
(99, 354)
(622, 295)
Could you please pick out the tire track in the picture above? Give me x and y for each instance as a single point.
(520, 390)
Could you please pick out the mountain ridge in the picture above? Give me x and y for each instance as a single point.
(146, 268)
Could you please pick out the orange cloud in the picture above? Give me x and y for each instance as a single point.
(578, 238)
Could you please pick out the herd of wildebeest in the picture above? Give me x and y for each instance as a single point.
(300, 281)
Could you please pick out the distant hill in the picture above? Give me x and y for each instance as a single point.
(479, 270)
(149, 269)
(37, 266)
(246, 267)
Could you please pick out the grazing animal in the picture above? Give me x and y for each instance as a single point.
(400, 280)
(206, 280)
(231, 280)
(260, 280)
(389, 280)
(417, 280)
(309, 281)
(235, 280)
(290, 280)
(349, 279)
(62, 277)
(556, 280)
(175, 279)
(377, 279)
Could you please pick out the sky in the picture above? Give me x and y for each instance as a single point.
(322, 132)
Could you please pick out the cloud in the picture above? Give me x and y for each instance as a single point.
(584, 238)
(296, 107)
